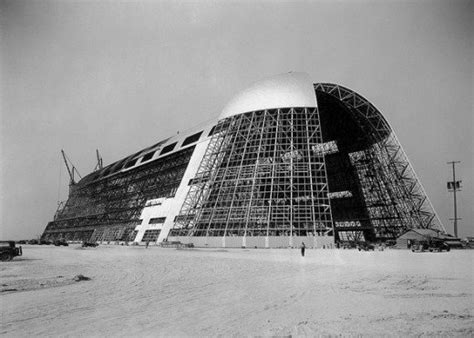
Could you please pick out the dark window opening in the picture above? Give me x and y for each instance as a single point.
(191, 139)
(150, 235)
(158, 220)
(148, 156)
(118, 166)
(131, 163)
(168, 148)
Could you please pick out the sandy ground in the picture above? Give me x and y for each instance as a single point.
(135, 291)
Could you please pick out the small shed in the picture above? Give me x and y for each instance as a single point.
(411, 236)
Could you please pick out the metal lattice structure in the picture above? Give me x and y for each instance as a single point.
(337, 169)
(288, 160)
(261, 176)
(108, 208)
(394, 197)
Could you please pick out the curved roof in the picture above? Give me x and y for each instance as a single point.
(357, 103)
(280, 91)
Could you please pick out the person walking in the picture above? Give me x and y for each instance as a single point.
(147, 244)
(303, 247)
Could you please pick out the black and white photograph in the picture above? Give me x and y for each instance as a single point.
(267, 168)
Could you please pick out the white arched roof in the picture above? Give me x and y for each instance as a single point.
(280, 91)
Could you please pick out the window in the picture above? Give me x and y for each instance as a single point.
(151, 235)
(152, 203)
(119, 165)
(168, 148)
(183, 218)
(131, 163)
(158, 220)
(148, 156)
(191, 139)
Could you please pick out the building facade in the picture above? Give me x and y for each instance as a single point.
(286, 161)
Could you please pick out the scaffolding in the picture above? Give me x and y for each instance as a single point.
(337, 169)
(108, 208)
(392, 195)
(261, 176)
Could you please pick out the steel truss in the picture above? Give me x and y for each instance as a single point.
(260, 176)
(109, 209)
(394, 196)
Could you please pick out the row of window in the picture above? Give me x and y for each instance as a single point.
(169, 148)
(188, 140)
(156, 220)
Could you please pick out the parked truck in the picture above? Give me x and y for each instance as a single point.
(8, 250)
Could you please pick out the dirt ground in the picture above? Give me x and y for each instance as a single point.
(135, 291)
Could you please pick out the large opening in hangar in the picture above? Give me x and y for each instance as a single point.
(339, 127)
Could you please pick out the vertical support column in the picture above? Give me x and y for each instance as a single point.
(292, 114)
(272, 182)
(455, 188)
(255, 174)
(455, 204)
(313, 211)
(324, 203)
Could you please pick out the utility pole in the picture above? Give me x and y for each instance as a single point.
(454, 186)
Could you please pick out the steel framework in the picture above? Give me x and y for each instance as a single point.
(108, 209)
(337, 169)
(260, 176)
(393, 195)
(278, 173)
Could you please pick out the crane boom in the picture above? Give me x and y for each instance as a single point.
(99, 164)
(71, 169)
(70, 172)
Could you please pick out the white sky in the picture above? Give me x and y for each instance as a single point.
(120, 76)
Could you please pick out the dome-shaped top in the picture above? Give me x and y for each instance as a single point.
(280, 91)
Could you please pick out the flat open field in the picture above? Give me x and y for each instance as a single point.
(217, 292)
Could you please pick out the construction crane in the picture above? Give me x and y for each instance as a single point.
(71, 169)
(99, 164)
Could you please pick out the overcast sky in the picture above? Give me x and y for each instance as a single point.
(120, 76)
